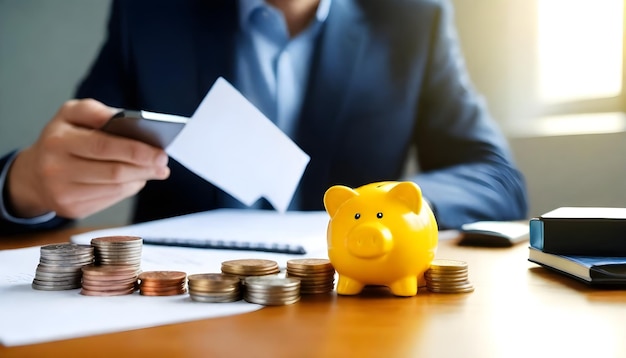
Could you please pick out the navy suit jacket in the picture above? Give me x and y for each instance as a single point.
(386, 76)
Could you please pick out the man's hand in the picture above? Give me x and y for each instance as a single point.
(76, 170)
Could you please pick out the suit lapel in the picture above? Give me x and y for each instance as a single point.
(215, 28)
(339, 49)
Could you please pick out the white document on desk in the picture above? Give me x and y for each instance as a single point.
(233, 227)
(230, 143)
(28, 316)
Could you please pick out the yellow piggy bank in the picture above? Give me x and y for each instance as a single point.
(380, 234)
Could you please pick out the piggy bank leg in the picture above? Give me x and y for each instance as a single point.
(404, 287)
(348, 286)
(421, 281)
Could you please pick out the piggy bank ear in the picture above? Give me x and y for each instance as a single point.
(335, 196)
(408, 193)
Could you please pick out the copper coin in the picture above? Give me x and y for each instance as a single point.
(214, 278)
(308, 265)
(163, 293)
(115, 239)
(448, 265)
(107, 293)
(250, 267)
(108, 270)
(162, 276)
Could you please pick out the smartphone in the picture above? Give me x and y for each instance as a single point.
(494, 233)
(156, 129)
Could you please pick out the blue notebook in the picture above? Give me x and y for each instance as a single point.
(589, 269)
(589, 231)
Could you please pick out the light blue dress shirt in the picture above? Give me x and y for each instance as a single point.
(272, 69)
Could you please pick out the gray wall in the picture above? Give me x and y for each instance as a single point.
(45, 49)
(46, 46)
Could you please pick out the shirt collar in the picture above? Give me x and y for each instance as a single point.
(246, 7)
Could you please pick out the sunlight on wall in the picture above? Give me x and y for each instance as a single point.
(579, 49)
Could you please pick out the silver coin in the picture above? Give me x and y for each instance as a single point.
(54, 268)
(215, 294)
(57, 274)
(66, 247)
(57, 282)
(55, 288)
(209, 290)
(271, 281)
(273, 295)
(65, 262)
(270, 302)
(214, 299)
(39, 277)
(67, 257)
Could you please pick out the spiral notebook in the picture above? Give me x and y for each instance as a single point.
(296, 233)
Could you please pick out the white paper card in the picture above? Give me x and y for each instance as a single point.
(231, 144)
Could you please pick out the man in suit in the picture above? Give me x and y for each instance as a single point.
(355, 83)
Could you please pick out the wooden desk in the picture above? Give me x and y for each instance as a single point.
(517, 310)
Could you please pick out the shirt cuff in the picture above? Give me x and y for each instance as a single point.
(4, 212)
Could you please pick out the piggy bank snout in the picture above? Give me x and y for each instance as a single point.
(369, 241)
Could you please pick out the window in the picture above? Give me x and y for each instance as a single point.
(580, 56)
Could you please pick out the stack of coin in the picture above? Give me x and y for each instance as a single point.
(118, 250)
(315, 275)
(60, 266)
(162, 283)
(448, 276)
(109, 280)
(250, 267)
(272, 290)
(214, 287)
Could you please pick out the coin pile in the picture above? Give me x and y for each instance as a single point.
(162, 283)
(60, 266)
(118, 250)
(109, 280)
(315, 275)
(214, 287)
(250, 267)
(448, 276)
(272, 290)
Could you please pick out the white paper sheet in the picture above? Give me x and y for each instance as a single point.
(28, 316)
(233, 226)
(231, 144)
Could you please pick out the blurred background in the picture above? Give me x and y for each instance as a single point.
(551, 71)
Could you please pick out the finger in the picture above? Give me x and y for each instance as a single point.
(97, 145)
(107, 172)
(87, 113)
(85, 200)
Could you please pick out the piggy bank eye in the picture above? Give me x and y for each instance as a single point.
(379, 215)
(357, 216)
